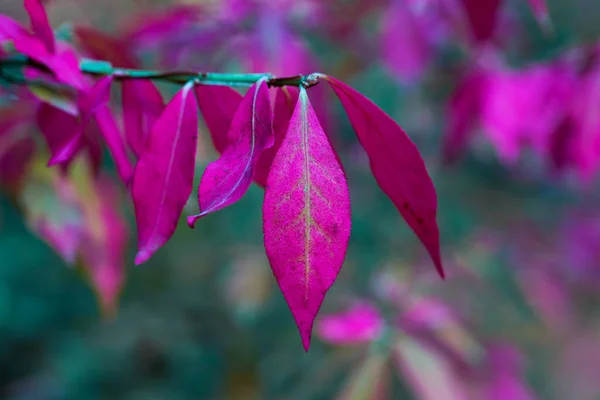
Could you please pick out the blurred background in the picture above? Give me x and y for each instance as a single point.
(506, 112)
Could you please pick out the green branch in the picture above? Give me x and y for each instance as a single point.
(10, 67)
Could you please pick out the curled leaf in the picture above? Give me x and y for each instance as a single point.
(306, 216)
(285, 102)
(218, 105)
(142, 105)
(227, 179)
(164, 174)
(396, 164)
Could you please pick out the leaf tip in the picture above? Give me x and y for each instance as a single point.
(142, 256)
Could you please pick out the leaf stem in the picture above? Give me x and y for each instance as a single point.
(103, 68)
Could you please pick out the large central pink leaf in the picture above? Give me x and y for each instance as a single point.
(306, 216)
(163, 178)
(227, 179)
(396, 164)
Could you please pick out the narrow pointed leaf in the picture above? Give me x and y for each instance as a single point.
(306, 216)
(142, 105)
(163, 177)
(227, 179)
(40, 24)
(114, 140)
(285, 102)
(218, 105)
(396, 164)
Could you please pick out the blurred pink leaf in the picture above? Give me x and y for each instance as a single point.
(105, 243)
(361, 323)
(405, 47)
(506, 382)
(218, 105)
(428, 374)
(227, 179)
(306, 216)
(463, 113)
(285, 103)
(369, 380)
(164, 174)
(396, 164)
(142, 105)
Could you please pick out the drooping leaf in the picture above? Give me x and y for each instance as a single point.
(105, 241)
(482, 17)
(88, 103)
(285, 103)
(227, 179)
(396, 164)
(16, 149)
(163, 177)
(306, 216)
(40, 24)
(361, 323)
(142, 105)
(218, 105)
(115, 142)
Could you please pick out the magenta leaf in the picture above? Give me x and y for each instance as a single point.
(285, 103)
(88, 103)
(114, 140)
(401, 30)
(218, 105)
(361, 323)
(142, 105)
(163, 177)
(306, 216)
(40, 24)
(227, 179)
(396, 164)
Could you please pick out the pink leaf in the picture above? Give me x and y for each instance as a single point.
(88, 103)
(285, 103)
(227, 179)
(163, 177)
(218, 105)
(11, 29)
(396, 164)
(359, 324)
(463, 112)
(102, 46)
(40, 24)
(405, 47)
(482, 17)
(114, 140)
(142, 105)
(306, 216)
